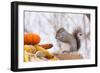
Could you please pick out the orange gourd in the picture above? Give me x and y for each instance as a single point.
(31, 38)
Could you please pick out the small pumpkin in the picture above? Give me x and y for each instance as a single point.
(31, 38)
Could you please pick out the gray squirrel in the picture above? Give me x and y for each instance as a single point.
(73, 39)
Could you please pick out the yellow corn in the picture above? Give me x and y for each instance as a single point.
(30, 49)
(46, 53)
(26, 58)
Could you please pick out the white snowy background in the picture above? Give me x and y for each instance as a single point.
(46, 25)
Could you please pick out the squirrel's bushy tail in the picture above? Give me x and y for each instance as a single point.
(75, 33)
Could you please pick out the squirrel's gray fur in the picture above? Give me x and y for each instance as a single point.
(72, 39)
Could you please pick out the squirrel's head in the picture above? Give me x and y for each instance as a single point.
(60, 33)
